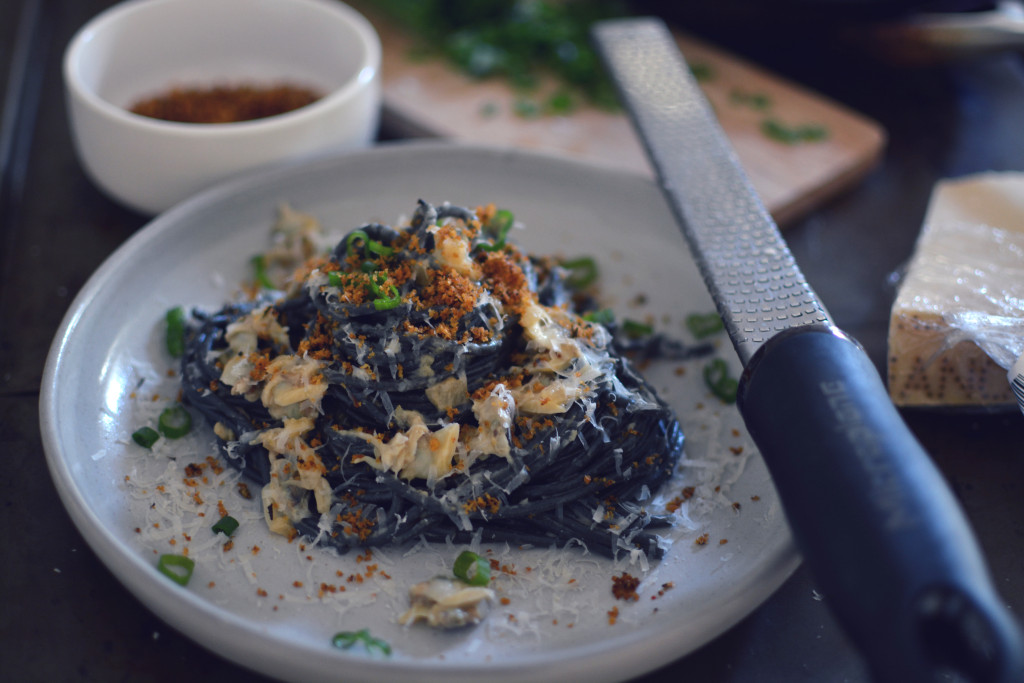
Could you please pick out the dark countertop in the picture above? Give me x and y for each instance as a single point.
(65, 618)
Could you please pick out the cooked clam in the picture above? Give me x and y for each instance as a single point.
(447, 603)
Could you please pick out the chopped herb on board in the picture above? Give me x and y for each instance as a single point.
(702, 71)
(560, 103)
(793, 135)
(525, 107)
(755, 100)
(488, 109)
(516, 40)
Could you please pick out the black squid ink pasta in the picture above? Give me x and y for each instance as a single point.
(430, 382)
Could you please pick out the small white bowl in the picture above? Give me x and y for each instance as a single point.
(142, 48)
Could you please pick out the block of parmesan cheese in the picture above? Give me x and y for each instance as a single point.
(966, 275)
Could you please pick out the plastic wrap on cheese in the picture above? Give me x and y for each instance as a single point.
(957, 324)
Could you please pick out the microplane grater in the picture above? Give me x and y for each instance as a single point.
(876, 522)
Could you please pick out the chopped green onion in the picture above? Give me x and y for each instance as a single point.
(368, 267)
(473, 569)
(635, 329)
(175, 422)
(370, 245)
(584, 272)
(526, 108)
(175, 331)
(488, 109)
(259, 265)
(521, 42)
(498, 226)
(225, 525)
(145, 437)
(792, 135)
(501, 223)
(758, 101)
(392, 300)
(379, 248)
(348, 639)
(702, 72)
(716, 376)
(177, 568)
(603, 317)
(334, 279)
(560, 103)
(353, 237)
(703, 325)
(384, 301)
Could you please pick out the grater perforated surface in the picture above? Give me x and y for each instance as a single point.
(749, 270)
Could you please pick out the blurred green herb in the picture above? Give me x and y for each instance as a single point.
(635, 329)
(703, 325)
(488, 109)
(526, 107)
(518, 40)
(560, 103)
(793, 135)
(758, 101)
(702, 72)
(719, 381)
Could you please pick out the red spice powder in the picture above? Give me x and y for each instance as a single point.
(225, 104)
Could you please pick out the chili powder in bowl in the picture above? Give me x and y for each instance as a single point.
(225, 103)
(253, 83)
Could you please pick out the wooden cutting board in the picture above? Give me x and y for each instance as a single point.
(429, 98)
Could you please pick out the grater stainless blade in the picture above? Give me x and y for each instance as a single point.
(749, 270)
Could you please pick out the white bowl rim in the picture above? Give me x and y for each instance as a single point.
(367, 72)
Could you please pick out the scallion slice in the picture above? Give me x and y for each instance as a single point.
(605, 316)
(379, 248)
(384, 299)
(368, 244)
(175, 422)
(145, 436)
(703, 325)
(177, 568)
(353, 237)
(583, 272)
(226, 525)
(716, 376)
(635, 329)
(348, 639)
(793, 135)
(386, 303)
(498, 226)
(471, 568)
(259, 266)
(175, 331)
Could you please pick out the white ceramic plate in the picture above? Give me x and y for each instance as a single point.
(276, 609)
